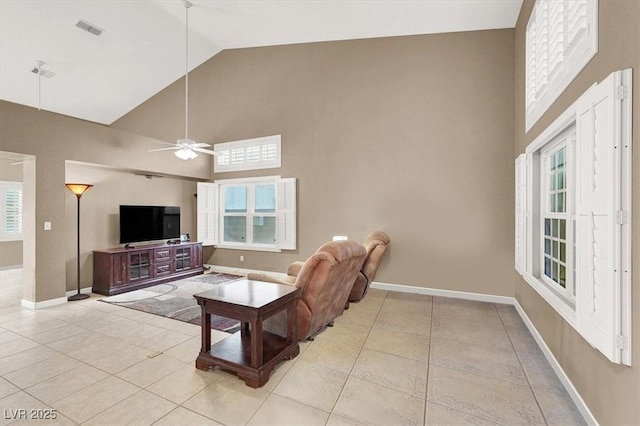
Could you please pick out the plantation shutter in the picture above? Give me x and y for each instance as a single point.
(207, 206)
(286, 213)
(11, 211)
(598, 182)
(521, 214)
(561, 37)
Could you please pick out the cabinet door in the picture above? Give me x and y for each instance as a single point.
(119, 269)
(196, 258)
(183, 258)
(139, 265)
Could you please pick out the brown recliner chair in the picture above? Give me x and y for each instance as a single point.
(376, 244)
(325, 280)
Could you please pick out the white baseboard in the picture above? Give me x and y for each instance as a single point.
(44, 304)
(242, 271)
(564, 379)
(444, 293)
(53, 302)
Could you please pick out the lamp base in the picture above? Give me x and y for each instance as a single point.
(79, 296)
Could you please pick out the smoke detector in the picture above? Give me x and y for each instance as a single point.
(89, 27)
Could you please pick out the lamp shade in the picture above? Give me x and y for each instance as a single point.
(78, 188)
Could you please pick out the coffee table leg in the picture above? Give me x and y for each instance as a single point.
(291, 322)
(256, 343)
(206, 330)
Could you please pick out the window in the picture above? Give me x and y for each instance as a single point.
(253, 214)
(249, 154)
(561, 37)
(573, 201)
(557, 264)
(11, 211)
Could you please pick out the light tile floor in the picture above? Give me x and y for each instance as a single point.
(392, 359)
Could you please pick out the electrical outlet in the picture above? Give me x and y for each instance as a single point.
(241, 258)
(47, 226)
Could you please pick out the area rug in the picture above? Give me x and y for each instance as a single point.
(175, 300)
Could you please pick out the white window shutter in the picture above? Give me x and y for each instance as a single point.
(208, 222)
(286, 214)
(521, 214)
(598, 178)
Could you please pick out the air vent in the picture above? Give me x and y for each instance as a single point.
(89, 27)
(43, 72)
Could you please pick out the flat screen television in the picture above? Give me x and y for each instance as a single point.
(149, 223)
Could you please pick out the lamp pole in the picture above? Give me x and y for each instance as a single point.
(78, 189)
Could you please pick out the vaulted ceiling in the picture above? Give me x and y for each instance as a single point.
(142, 48)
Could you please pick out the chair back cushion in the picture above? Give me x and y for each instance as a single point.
(375, 244)
(325, 280)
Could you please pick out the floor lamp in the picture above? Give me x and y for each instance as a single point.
(78, 189)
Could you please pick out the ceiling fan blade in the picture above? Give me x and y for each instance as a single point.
(166, 143)
(165, 149)
(205, 151)
(200, 145)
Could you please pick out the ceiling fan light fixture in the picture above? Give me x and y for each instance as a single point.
(185, 154)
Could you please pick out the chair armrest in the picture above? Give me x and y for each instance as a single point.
(272, 279)
(294, 268)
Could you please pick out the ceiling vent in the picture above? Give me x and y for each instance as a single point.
(89, 27)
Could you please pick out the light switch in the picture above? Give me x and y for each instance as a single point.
(47, 226)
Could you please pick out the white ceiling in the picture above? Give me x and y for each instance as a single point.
(142, 49)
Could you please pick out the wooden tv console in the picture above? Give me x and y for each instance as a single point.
(121, 269)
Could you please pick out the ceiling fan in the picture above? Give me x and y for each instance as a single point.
(187, 149)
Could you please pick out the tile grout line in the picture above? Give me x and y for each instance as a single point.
(535, 397)
(426, 390)
(357, 357)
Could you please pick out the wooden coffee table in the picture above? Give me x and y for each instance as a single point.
(251, 352)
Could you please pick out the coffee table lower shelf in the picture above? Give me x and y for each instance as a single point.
(234, 353)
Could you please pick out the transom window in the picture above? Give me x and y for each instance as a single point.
(248, 154)
(561, 38)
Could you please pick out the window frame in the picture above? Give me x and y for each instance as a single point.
(6, 235)
(250, 214)
(566, 140)
(210, 215)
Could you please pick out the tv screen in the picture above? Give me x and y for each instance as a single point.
(149, 223)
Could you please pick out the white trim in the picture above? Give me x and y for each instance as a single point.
(559, 125)
(248, 180)
(53, 302)
(255, 247)
(443, 293)
(555, 365)
(44, 304)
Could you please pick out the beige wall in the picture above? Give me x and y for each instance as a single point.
(10, 251)
(53, 139)
(410, 135)
(99, 210)
(611, 391)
